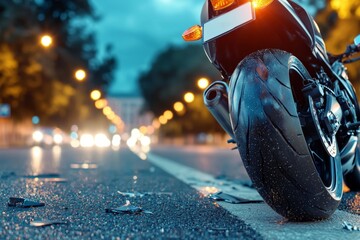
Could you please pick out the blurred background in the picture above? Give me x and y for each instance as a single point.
(101, 72)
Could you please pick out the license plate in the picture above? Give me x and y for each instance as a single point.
(229, 21)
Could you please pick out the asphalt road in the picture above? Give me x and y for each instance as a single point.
(181, 212)
(90, 180)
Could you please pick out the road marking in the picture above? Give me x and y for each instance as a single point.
(260, 216)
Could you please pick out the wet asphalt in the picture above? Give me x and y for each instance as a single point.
(225, 163)
(82, 199)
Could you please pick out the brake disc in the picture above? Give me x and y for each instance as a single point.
(329, 142)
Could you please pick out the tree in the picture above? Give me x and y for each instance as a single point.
(339, 22)
(174, 72)
(40, 81)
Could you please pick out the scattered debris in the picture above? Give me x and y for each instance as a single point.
(132, 195)
(127, 209)
(350, 227)
(220, 196)
(83, 166)
(44, 175)
(24, 203)
(206, 190)
(44, 223)
(217, 231)
(138, 194)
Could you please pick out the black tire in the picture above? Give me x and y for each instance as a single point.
(271, 141)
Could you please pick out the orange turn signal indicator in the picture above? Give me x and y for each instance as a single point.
(221, 4)
(193, 34)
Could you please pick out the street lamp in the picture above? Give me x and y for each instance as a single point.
(107, 110)
(80, 75)
(101, 103)
(189, 97)
(95, 95)
(168, 114)
(179, 107)
(163, 120)
(203, 83)
(156, 123)
(46, 41)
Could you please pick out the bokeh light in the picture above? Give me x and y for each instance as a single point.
(189, 97)
(80, 75)
(46, 41)
(95, 95)
(203, 83)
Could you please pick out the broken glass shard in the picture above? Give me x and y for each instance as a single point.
(220, 196)
(159, 193)
(24, 203)
(44, 223)
(127, 209)
(138, 194)
(222, 231)
(132, 195)
(350, 227)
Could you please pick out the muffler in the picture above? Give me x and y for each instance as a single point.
(216, 101)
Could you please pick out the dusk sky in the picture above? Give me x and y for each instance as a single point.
(139, 30)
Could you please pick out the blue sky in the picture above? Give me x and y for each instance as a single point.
(140, 29)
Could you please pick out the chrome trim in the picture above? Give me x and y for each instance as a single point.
(329, 142)
(216, 101)
(229, 21)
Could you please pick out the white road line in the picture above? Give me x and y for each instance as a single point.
(260, 216)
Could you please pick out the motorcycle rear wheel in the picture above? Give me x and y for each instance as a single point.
(275, 149)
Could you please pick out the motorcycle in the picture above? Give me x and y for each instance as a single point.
(287, 104)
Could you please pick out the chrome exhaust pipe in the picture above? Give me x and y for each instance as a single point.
(216, 101)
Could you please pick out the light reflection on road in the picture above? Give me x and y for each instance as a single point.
(206, 190)
(36, 159)
(56, 154)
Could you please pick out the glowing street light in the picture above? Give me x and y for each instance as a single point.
(95, 95)
(156, 123)
(101, 103)
(107, 111)
(168, 114)
(179, 106)
(189, 97)
(46, 41)
(163, 120)
(203, 83)
(80, 75)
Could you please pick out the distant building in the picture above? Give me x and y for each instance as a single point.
(129, 108)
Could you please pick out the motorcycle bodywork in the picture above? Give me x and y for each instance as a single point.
(233, 34)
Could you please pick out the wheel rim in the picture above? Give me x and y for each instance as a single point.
(323, 148)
